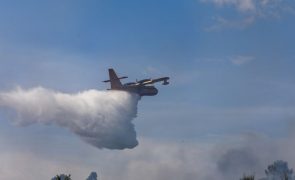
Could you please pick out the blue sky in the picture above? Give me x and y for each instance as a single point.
(231, 65)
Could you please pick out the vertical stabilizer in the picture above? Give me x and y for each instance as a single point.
(115, 81)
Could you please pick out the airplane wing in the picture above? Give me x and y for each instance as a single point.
(152, 81)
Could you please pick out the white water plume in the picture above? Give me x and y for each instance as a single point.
(101, 118)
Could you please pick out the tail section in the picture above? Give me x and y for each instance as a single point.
(114, 80)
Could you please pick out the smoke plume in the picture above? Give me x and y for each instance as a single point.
(101, 118)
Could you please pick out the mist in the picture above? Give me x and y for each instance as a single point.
(100, 118)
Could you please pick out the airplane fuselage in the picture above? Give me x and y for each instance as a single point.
(140, 90)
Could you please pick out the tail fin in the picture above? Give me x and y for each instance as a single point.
(115, 81)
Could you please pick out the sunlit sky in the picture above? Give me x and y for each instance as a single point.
(231, 64)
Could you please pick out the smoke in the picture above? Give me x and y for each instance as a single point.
(237, 161)
(250, 154)
(100, 118)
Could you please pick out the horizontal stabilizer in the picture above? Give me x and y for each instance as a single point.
(124, 77)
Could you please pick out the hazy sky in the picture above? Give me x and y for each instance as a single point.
(231, 64)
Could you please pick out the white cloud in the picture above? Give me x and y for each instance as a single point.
(224, 23)
(249, 11)
(151, 70)
(241, 5)
(240, 60)
(160, 160)
(236, 60)
(24, 165)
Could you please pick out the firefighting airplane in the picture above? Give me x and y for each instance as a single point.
(143, 87)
